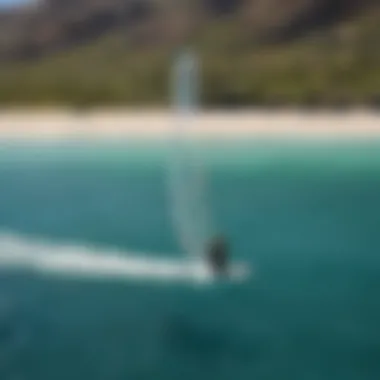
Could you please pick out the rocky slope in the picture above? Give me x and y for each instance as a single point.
(54, 25)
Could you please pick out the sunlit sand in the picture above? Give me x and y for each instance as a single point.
(153, 124)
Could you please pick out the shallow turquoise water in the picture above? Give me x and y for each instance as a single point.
(306, 216)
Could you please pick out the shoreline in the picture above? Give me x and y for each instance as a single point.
(160, 124)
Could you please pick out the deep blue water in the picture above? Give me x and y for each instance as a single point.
(305, 216)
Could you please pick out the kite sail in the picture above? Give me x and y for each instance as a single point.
(190, 209)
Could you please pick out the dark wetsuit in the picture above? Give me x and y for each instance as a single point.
(218, 255)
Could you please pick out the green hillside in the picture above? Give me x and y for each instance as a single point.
(334, 64)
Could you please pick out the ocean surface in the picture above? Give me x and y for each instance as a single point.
(305, 216)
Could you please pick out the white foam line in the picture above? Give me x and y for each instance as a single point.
(81, 261)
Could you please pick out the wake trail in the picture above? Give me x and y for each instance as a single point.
(47, 258)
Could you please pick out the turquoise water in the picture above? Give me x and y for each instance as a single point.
(304, 215)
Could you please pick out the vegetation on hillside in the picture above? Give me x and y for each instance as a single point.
(332, 60)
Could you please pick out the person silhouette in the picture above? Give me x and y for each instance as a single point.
(217, 254)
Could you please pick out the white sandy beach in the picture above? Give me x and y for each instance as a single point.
(152, 124)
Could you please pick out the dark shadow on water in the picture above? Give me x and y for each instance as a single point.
(208, 343)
